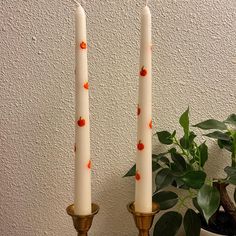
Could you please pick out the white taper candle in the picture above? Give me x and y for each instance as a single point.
(82, 197)
(143, 186)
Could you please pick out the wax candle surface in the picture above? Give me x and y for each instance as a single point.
(82, 197)
(143, 185)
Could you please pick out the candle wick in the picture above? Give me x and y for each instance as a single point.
(146, 2)
(76, 2)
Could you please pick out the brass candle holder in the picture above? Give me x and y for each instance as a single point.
(82, 223)
(143, 221)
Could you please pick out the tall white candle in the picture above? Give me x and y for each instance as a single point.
(82, 197)
(143, 186)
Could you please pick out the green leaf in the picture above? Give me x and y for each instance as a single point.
(219, 135)
(155, 166)
(172, 150)
(131, 172)
(208, 199)
(220, 144)
(165, 137)
(203, 151)
(173, 134)
(161, 157)
(194, 179)
(186, 142)
(165, 160)
(192, 136)
(179, 161)
(230, 170)
(176, 172)
(231, 119)
(184, 122)
(165, 199)
(178, 183)
(168, 224)
(194, 200)
(231, 180)
(211, 124)
(157, 156)
(228, 145)
(163, 178)
(192, 223)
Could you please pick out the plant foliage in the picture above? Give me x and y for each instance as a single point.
(182, 166)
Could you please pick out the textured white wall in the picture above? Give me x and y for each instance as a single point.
(194, 64)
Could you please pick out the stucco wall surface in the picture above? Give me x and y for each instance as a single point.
(194, 63)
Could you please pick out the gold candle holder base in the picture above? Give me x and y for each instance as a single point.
(82, 223)
(143, 221)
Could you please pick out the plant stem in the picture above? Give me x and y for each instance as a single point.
(225, 200)
(182, 203)
(198, 155)
(192, 194)
(183, 151)
(182, 200)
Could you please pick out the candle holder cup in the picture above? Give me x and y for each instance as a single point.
(143, 221)
(82, 223)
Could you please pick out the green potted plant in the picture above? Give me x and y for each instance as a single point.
(213, 212)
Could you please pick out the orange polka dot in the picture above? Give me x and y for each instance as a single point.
(89, 164)
(140, 146)
(81, 122)
(86, 85)
(137, 176)
(83, 45)
(138, 110)
(150, 124)
(143, 72)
